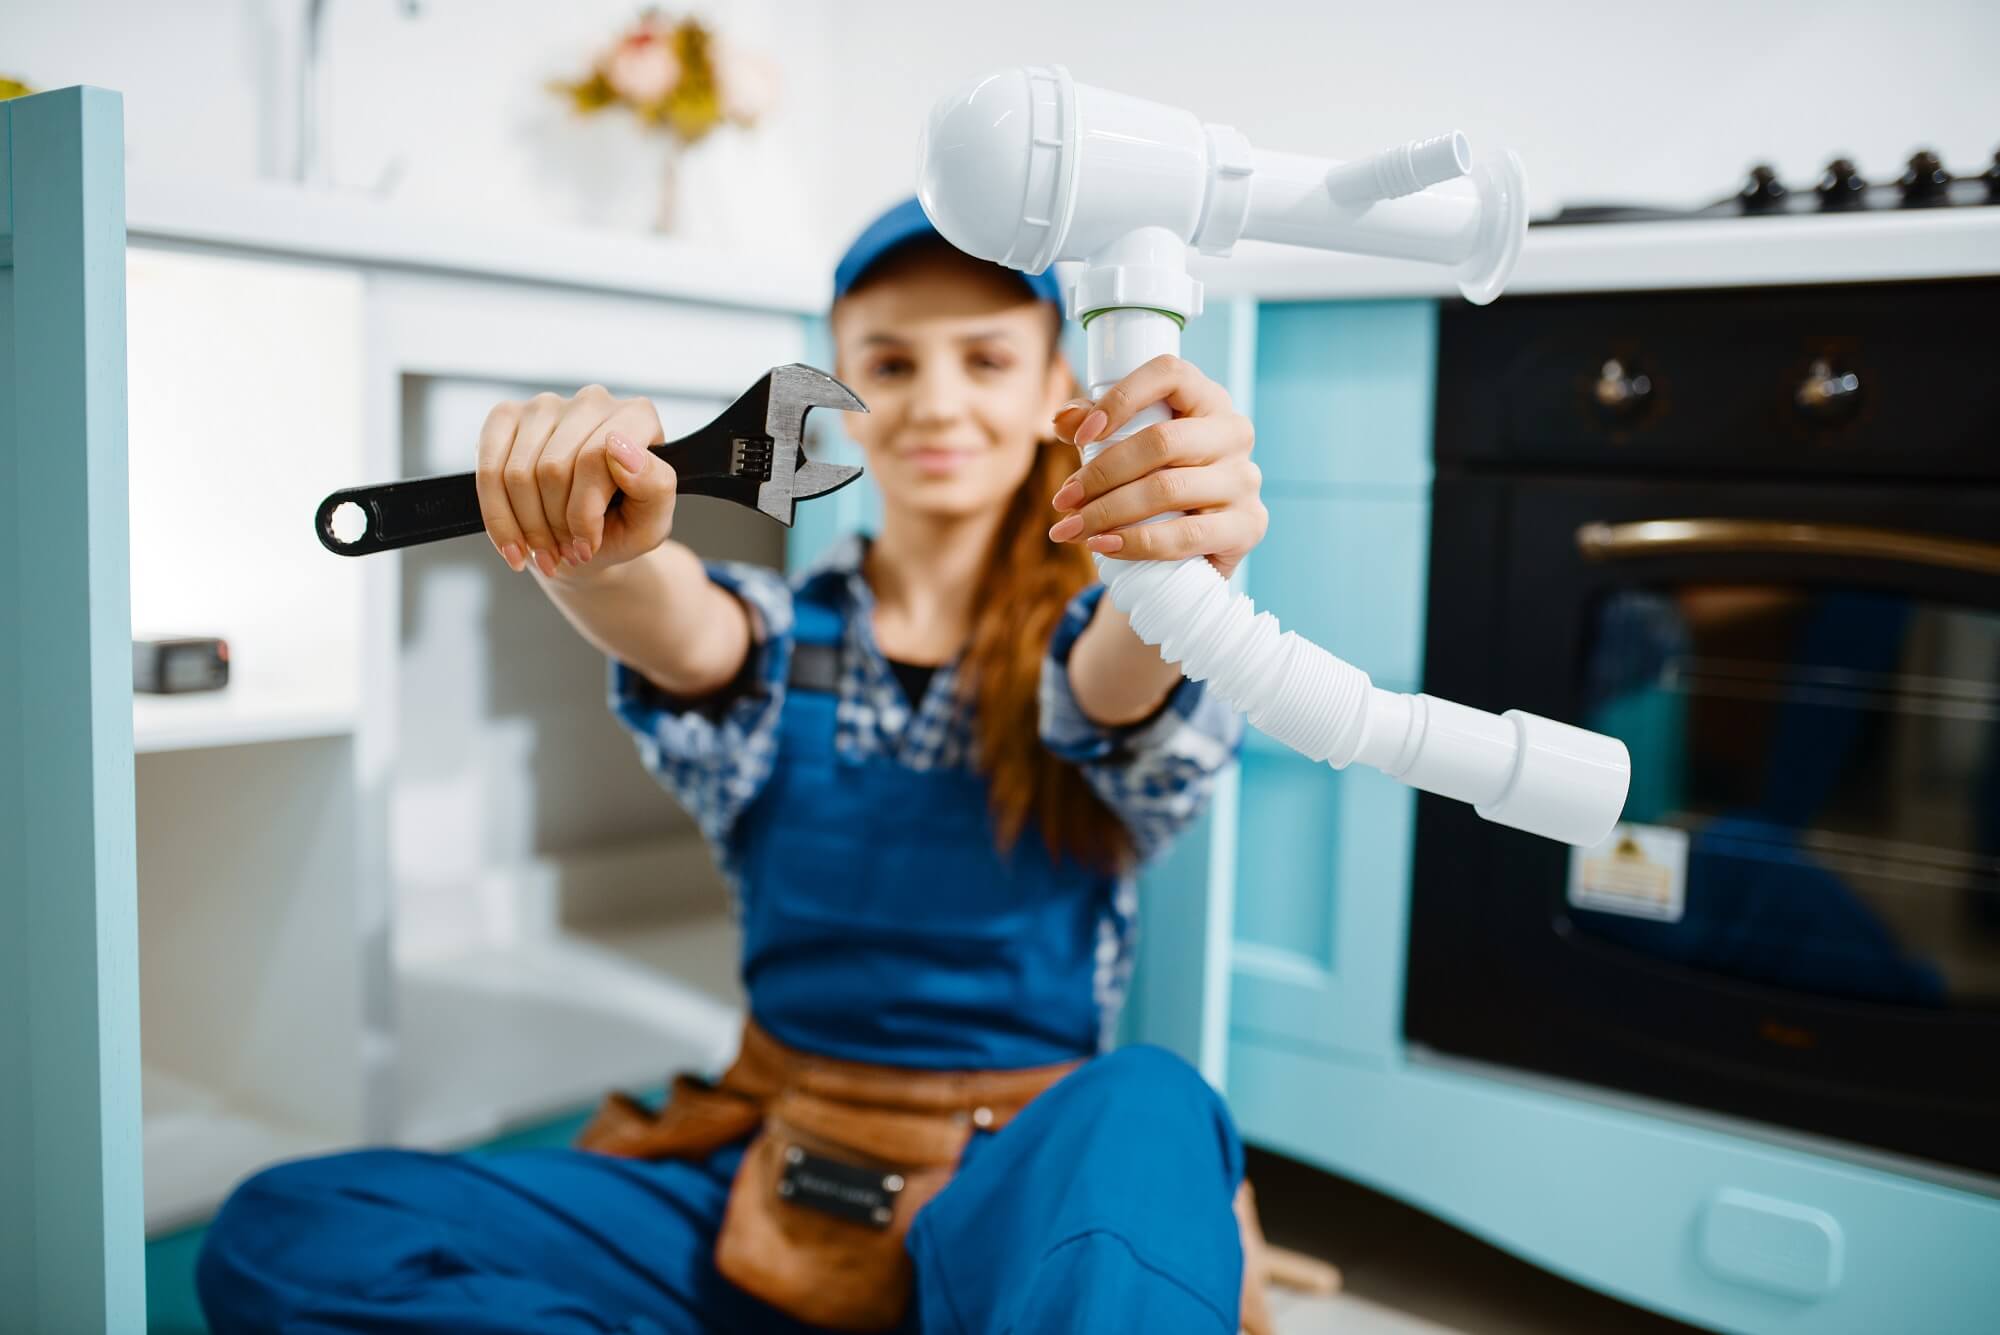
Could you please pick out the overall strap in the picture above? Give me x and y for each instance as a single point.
(818, 629)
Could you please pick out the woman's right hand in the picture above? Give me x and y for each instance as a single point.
(548, 469)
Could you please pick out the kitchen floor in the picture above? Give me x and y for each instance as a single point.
(1407, 1273)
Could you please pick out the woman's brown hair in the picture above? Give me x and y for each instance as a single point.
(1027, 583)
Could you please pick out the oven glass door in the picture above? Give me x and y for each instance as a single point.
(1798, 921)
(1816, 788)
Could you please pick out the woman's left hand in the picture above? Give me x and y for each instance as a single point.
(1197, 463)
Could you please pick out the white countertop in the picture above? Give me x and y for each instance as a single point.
(1607, 257)
(286, 220)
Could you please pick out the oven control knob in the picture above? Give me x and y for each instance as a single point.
(1622, 392)
(1762, 192)
(1841, 186)
(1925, 180)
(1827, 394)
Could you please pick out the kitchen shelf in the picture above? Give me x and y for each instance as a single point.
(239, 714)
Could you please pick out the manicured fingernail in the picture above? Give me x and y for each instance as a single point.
(1073, 403)
(583, 553)
(1068, 495)
(545, 563)
(511, 554)
(1065, 529)
(624, 451)
(1106, 543)
(1092, 424)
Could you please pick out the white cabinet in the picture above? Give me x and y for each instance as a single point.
(404, 880)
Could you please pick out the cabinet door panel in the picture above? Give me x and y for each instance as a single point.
(70, 1209)
(1287, 856)
(1344, 425)
(1348, 574)
(1344, 392)
(1339, 984)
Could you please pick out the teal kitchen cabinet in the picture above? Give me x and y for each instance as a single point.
(71, 1228)
(1343, 395)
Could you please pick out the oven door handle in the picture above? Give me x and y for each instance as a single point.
(1709, 537)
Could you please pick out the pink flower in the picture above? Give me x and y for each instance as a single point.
(642, 68)
(746, 82)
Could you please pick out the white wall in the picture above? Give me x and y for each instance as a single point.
(1605, 101)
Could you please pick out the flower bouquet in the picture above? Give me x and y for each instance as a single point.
(680, 78)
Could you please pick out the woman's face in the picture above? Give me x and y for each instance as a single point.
(953, 359)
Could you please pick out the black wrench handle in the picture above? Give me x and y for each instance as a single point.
(431, 509)
(403, 514)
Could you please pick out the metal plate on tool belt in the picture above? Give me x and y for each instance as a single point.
(844, 1190)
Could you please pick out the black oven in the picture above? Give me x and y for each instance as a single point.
(1756, 535)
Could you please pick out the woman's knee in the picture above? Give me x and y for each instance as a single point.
(1150, 1087)
(308, 1191)
(1145, 1076)
(305, 1225)
(1126, 1168)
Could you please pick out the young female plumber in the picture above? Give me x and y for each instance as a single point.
(932, 844)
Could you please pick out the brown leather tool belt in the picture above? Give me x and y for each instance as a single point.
(844, 1155)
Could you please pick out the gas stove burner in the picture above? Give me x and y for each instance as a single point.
(1841, 186)
(1924, 183)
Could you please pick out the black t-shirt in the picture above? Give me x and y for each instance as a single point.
(915, 677)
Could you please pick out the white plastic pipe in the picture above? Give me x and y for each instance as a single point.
(1401, 170)
(1028, 167)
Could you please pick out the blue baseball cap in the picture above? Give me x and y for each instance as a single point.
(899, 227)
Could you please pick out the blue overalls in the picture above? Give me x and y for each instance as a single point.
(879, 925)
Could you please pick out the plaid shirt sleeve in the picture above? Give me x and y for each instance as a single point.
(1156, 774)
(715, 755)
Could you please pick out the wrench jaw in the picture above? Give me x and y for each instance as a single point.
(813, 478)
(793, 391)
(796, 387)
